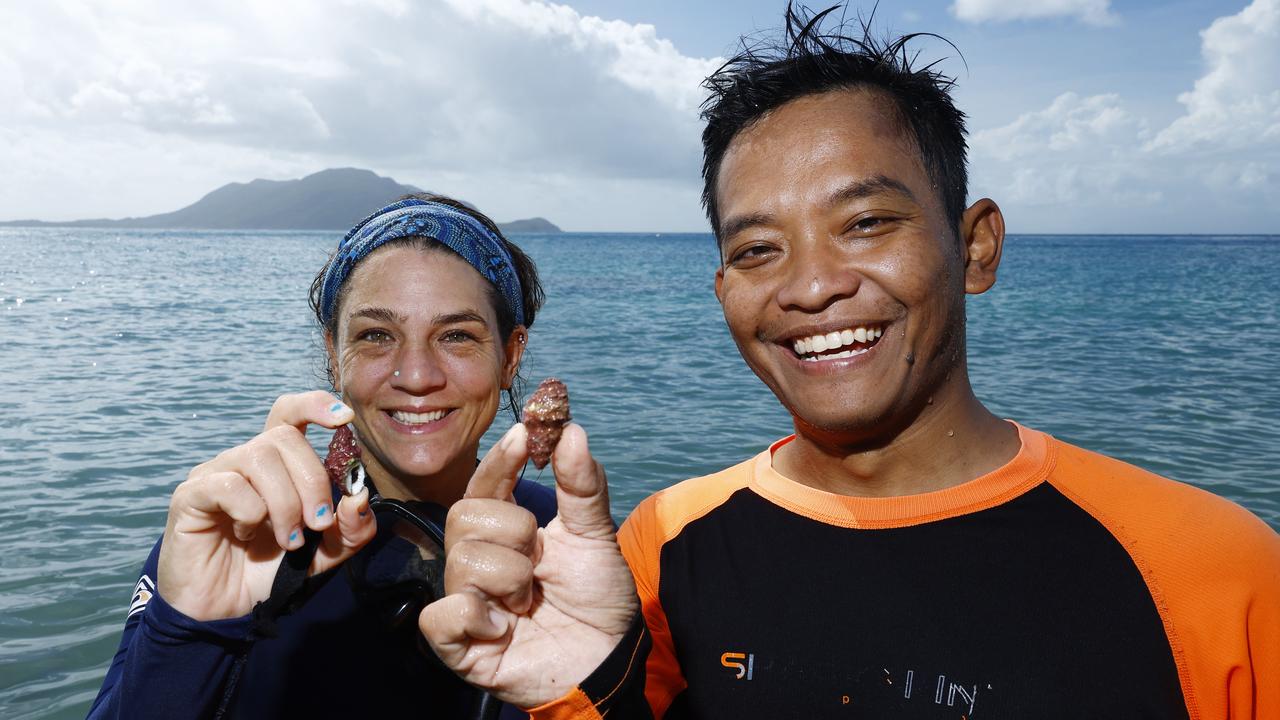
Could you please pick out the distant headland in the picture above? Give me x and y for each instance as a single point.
(332, 199)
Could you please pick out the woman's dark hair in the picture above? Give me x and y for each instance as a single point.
(765, 75)
(530, 287)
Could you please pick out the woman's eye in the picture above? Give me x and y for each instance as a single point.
(374, 336)
(457, 336)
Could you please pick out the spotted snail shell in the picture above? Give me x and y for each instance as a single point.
(545, 416)
(343, 458)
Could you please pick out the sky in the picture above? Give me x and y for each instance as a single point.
(1085, 116)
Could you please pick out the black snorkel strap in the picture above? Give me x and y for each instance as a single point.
(289, 591)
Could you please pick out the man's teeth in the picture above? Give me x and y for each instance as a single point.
(409, 418)
(836, 340)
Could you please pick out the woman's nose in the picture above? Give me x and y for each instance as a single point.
(816, 275)
(417, 370)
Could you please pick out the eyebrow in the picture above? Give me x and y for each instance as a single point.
(856, 190)
(381, 314)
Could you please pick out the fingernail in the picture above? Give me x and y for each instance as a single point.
(338, 408)
(295, 537)
(364, 512)
(322, 509)
(498, 619)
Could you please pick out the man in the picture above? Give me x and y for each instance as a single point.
(906, 554)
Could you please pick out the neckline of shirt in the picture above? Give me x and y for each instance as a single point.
(1028, 468)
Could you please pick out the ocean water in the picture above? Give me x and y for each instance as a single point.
(129, 357)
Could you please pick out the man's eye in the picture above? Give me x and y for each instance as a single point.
(751, 252)
(870, 224)
(374, 336)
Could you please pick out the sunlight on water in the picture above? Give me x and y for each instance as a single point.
(131, 357)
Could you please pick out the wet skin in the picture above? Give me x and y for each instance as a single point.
(427, 316)
(829, 221)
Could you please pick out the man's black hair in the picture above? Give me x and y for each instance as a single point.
(810, 60)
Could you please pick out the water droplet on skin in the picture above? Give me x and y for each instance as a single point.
(930, 401)
(951, 433)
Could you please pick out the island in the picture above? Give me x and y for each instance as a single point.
(334, 199)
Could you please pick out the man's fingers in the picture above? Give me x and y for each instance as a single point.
(490, 571)
(496, 476)
(493, 521)
(302, 409)
(354, 528)
(582, 492)
(451, 623)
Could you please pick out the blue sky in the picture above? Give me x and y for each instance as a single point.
(1085, 115)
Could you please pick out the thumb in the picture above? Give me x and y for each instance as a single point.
(302, 409)
(582, 491)
(354, 528)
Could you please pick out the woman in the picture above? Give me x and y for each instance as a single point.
(424, 311)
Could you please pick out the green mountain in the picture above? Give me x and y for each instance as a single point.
(332, 199)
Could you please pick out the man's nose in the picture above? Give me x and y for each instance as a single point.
(816, 275)
(418, 369)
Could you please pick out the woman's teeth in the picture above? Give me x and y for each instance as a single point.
(808, 348)
(409, 418)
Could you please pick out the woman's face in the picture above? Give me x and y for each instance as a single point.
(418, 356)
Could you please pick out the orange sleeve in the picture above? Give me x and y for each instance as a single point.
(1213, 570)
(641, 541)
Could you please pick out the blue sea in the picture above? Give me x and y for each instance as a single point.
(130, 357)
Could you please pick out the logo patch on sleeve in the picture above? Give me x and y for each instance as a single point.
(142, 593)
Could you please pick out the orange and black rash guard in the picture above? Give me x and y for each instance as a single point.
(1062, 585)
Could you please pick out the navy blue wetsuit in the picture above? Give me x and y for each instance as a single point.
(331, 658)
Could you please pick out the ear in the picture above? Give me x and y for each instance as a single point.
(514, 349)
(719, 283)
(982, 229)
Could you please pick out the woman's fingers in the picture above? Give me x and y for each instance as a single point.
(496, 476)
(317, 407)
(354, 528)
(307, 473)
(490, 571)
(219, 494)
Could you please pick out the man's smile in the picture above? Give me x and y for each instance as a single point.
(836, 344)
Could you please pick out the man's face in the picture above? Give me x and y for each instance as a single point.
(840, 279)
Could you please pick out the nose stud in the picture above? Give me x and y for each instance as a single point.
(396, 373)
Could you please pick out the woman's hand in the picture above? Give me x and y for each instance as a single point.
(530, 614)
(233, 518)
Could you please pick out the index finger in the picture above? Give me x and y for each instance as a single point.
(496, 476)
(309, 408)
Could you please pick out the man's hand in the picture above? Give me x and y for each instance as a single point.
(530, 613)
(233, 518)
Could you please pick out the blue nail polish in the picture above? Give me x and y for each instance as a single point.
(364, 513)
(335, 407)
(293, 537)
(320, 511)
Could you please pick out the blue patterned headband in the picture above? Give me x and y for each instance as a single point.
(454, 229)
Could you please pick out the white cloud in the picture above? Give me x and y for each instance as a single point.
(1076, 150)
(1236, 104)
(1093, 164)
(1094, 12)
(517, 90)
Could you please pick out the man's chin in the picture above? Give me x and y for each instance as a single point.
(846, 426)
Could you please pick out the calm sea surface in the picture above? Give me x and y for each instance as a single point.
(130, 357)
